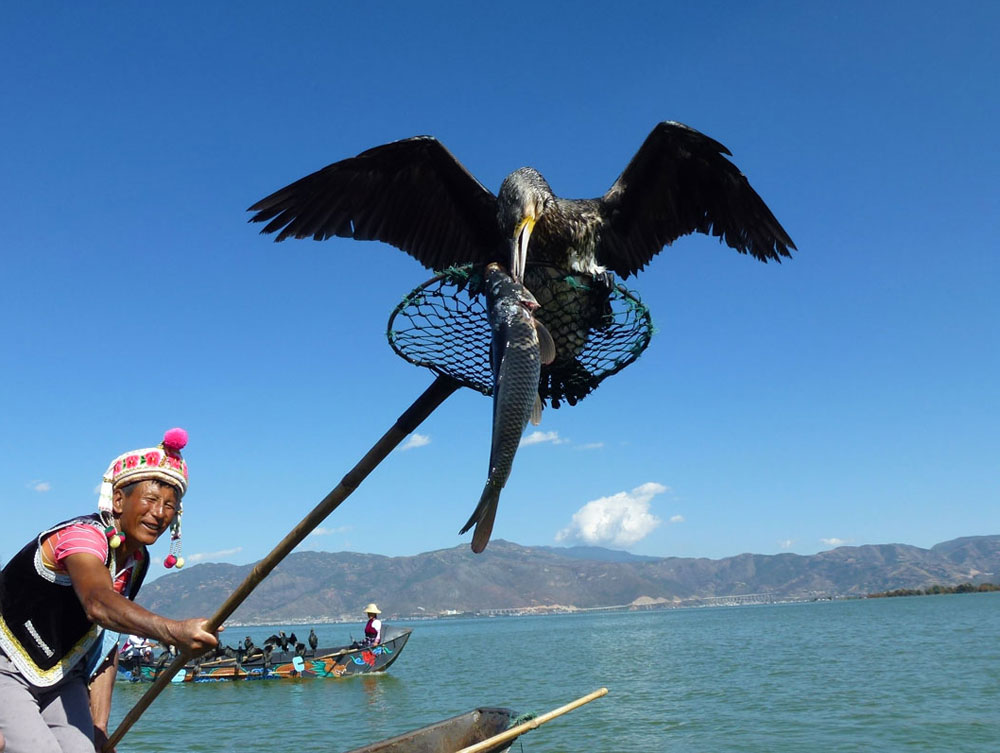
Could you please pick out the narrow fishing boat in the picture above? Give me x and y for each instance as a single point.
(275, 665)
(482, 730)
(450, 735)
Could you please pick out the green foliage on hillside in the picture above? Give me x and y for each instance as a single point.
(961, 588)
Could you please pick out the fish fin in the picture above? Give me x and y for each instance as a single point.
(481, 536)
(482, 517)
(536, 411)
(546, 345)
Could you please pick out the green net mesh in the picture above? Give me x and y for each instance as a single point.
(443, 325)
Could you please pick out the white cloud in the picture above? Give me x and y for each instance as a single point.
(676, 519)
(590, 446)
(833, 542)
(786, 544)
(619, 520)
(201, 557)
(40, 486)
(415, 440)
(321, 531)
(537, 437)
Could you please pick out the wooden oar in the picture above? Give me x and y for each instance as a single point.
(531, 723)
(441, 388)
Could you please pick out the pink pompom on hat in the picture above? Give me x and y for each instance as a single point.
(163, 463)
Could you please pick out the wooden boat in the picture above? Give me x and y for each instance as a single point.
(323, 662)
(449, 735)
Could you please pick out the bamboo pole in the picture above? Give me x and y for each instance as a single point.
(440, 389)
(532, 723)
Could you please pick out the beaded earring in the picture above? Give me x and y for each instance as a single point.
(174, 559)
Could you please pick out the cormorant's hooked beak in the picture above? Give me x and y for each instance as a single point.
(519, 258)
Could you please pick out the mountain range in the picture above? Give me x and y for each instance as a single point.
(326, 586)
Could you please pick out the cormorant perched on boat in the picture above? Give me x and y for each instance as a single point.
(313, 640)
(415, 195)
(247, 644)
(278, 640)
(300, 649)
(267, 655)
(292, 640)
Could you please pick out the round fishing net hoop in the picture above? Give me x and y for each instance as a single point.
(443, 325)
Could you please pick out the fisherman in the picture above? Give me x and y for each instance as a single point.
(69, 592)
(373, 629)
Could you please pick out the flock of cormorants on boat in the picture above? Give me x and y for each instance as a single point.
(248, 650)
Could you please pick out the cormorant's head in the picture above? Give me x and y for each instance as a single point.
(520, 204)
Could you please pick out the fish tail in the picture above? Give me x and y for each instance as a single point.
(481, 536)
(483, 517)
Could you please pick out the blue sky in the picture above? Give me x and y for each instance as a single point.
(848, 395)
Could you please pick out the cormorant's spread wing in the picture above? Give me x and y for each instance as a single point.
(412, 194)
(679, 183)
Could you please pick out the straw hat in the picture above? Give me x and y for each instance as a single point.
(372, 609)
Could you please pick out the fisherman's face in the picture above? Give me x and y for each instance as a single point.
(145, 512)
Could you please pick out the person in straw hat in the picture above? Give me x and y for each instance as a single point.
(373, 629)
(66, 596)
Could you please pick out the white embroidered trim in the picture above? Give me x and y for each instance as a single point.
(38, 639)
(60, 579)
(43, 678)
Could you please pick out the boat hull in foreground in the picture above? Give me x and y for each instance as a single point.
(449, 735)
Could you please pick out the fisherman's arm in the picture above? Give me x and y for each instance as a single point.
(104, 606)
(101, 688)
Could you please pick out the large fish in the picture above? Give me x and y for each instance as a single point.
(519, 347)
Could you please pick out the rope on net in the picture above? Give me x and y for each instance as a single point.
(443, 325)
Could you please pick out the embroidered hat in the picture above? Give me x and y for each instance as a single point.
(163, 463)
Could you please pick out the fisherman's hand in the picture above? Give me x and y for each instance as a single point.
(192, 636)
(101, 739)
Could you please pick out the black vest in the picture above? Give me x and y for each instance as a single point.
(43, 628)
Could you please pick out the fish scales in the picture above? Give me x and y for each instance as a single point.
(516, 358)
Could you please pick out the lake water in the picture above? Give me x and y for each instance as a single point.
(905, 674)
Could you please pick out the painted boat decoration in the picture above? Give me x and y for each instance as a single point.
(323, 662)
(449, 735)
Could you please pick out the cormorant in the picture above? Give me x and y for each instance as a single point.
(415, 195)
(278, 640)
(313, 640)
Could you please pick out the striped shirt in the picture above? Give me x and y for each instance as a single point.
(80, 538)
